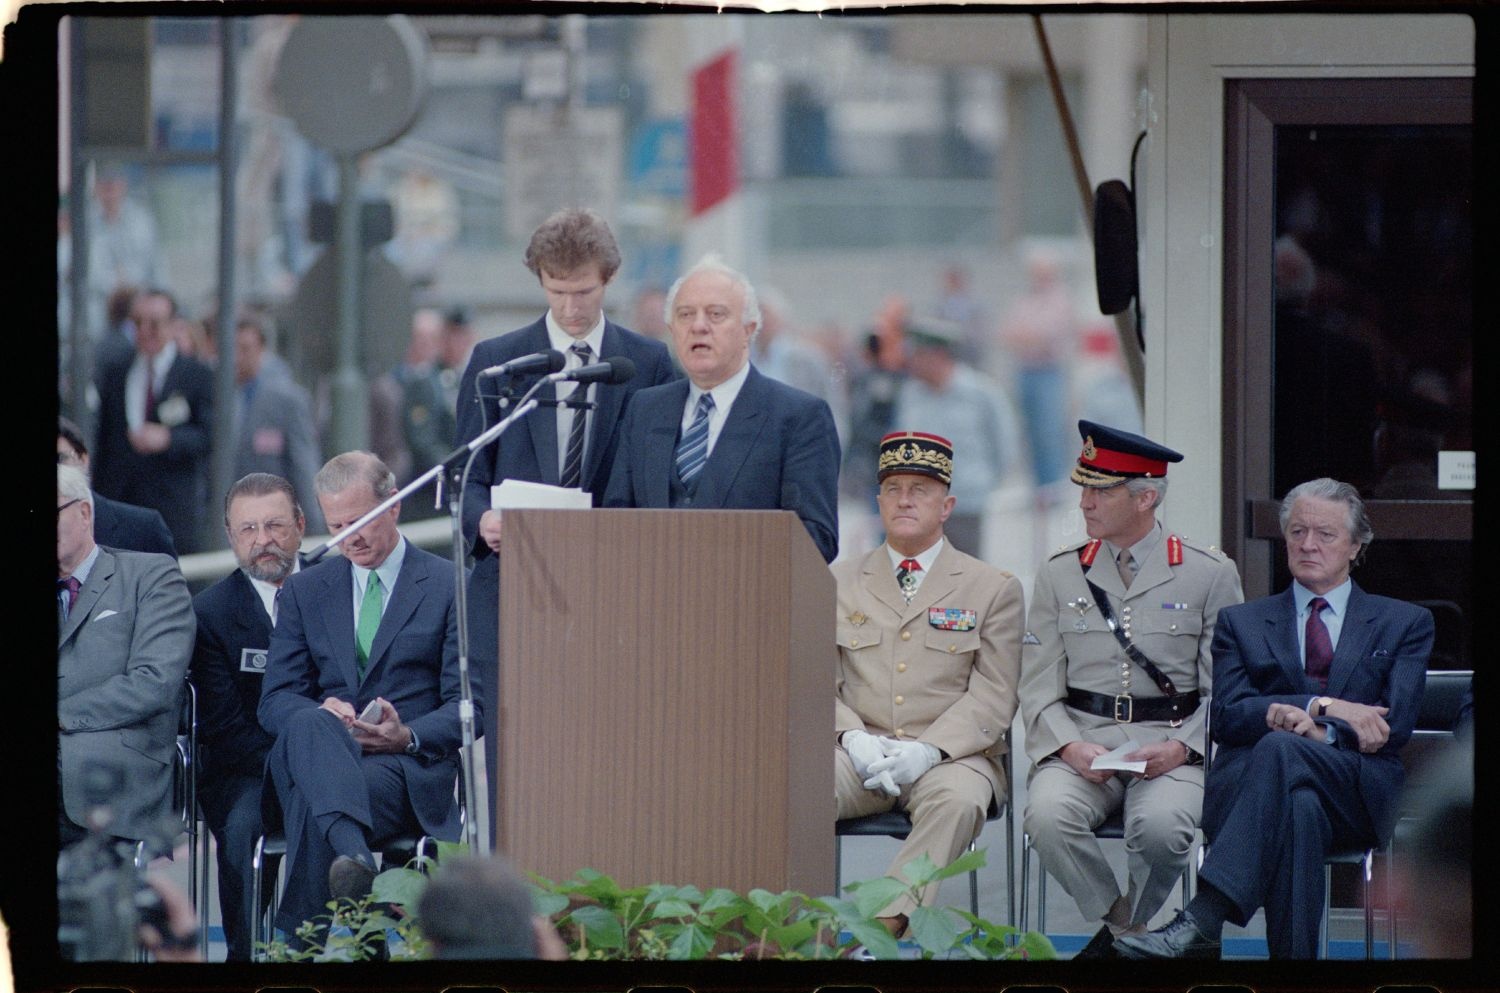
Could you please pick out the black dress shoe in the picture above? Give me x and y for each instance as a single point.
(1100, 946)
(1179, 939)
(350, 878)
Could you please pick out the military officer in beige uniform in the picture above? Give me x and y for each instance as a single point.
(929, 654)
(1117, 650)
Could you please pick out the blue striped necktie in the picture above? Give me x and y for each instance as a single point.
(692, 450)
(572, 470)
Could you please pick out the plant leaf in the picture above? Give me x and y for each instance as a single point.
(966, 862)
(874, 895)
(920, 871)
(695, 942)
(718, 899)
(547, 903)
(601, 928)
(932, 929)
(672, 907)
(450, 849)
(398, 886)
(876, 938)
(1037, 946)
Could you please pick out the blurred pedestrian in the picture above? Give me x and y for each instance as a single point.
(1037, 333)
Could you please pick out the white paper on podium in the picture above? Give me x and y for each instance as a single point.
(1116, 759)
(514, 494)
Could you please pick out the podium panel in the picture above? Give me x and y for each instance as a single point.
(666, 698)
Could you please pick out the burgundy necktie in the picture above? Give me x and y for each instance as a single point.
(1319, 644)
(71, 585)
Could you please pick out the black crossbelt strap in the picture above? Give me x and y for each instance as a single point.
(1136, 655)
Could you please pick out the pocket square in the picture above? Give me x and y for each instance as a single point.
(105, 613)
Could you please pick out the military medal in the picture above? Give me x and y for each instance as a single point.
(908, 584)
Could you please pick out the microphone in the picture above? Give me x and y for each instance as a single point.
(546, 362)
(613, 370)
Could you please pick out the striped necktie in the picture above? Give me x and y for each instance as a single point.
(572, 472)
(692, 450)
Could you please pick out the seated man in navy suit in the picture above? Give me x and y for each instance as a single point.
(729, 438)
(375, 626)
(117, 525)
(574, 256)
(264, 523)
(1316, 690)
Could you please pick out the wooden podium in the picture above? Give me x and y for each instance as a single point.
(666, 687)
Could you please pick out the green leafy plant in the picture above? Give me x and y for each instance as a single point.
(601, 920)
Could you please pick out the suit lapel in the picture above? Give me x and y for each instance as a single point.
(1281, 638)
(1106, 575)
(880, 580)
(738, 437)
(338, 595)
(88, 595)
(1154, 571)
(662, 422)
(1354, 640)
(398, 610)
(542, 422)
(606, 413)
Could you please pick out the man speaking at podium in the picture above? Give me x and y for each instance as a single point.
(729, 438)
(574, 256)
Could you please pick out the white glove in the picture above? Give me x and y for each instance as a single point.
(863, 748)
(905, 761)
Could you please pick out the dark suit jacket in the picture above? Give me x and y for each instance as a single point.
(173, 481)
(413, 664)
(778, 450)
(121, 659)
(131, 528)
(528, 451)
(1381, 660)
(229, 666)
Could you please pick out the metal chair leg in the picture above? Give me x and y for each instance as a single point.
(1327, 909)
(1369, 870)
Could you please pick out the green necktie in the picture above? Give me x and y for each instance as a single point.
(369, 622)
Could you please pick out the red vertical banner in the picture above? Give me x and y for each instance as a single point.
(713, 136)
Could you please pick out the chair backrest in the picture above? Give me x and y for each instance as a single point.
(1440, 700)
(184, 766)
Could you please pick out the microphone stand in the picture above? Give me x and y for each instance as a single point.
(455, 503)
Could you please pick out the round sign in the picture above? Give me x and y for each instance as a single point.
(352, 84)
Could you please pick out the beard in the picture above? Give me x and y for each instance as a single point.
(270, 564)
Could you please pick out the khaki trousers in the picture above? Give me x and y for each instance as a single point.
(1161, 817)
(947, 805)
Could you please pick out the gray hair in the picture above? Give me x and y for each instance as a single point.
(344, 470)
(73, 484)
(1141, 484)
(712, 263)
(1324, 488)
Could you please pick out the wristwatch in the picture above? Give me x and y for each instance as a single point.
(1320, 705)
(413, 745)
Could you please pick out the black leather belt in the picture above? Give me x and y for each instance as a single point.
(1126, 709)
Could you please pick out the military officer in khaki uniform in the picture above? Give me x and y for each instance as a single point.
(1117, 650)
(929, 653)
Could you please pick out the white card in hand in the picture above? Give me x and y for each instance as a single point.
(1116, 759)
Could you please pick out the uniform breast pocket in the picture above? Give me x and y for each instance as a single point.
(952, 644)
(1167, 621)
(859, 661)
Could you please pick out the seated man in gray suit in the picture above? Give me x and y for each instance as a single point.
(125, 634)
(727, 437)
(361, 692)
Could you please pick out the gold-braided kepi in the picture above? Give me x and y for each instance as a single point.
(916, 452)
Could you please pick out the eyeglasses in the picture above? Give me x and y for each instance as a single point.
(275, 530)
(64, 506)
